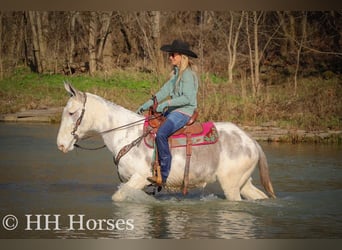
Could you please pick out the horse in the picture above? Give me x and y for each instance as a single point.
(231, 161)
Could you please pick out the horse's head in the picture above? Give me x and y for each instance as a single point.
(70, 129)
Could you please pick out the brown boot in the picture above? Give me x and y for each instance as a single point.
(155, 180)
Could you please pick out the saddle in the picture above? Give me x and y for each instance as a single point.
(192, 134)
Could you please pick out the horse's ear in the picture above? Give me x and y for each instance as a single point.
(70, 89)
(73, 91)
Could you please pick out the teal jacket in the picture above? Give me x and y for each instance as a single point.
(184, 95)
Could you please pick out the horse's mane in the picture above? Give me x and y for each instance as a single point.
(112, 104)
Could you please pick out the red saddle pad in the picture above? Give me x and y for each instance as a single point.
(209, 135)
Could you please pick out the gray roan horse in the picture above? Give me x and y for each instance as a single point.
(231, 160)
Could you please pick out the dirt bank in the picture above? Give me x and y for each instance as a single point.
(260, 133)
(274, 134)
(48, 115)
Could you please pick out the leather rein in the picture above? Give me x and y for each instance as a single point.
(134, 143)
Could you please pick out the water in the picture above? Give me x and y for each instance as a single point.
(37, 180)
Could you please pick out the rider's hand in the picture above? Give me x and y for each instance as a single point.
(144, 107)
(161, 107)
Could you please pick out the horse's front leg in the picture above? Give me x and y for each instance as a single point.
(136, 182)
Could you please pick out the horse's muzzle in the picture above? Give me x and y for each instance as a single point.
(63, 148)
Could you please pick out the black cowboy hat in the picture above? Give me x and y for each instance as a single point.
(180, 47)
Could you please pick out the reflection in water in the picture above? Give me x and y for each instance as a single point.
(240, 225)
(141, 217)
(38, 179)
(178, 220)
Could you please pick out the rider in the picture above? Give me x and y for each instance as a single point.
(182, 89)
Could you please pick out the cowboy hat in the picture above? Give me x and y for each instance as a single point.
(178, 46)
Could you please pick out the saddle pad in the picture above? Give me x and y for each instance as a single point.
(209, 135)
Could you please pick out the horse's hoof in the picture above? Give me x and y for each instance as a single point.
(117, 196)
(152, 189)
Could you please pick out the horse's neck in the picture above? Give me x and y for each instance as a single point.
(108, 116)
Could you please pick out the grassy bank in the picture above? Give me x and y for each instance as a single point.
(25, 90)
(316, 106)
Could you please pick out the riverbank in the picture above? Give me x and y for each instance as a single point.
(265, 133)
(313, 114)
(48, 115)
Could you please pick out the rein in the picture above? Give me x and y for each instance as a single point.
(134, 143)
(111, 130)
(104, 132)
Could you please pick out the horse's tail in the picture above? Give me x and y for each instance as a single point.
(264, 173)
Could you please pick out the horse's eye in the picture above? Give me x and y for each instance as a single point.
(71, 113)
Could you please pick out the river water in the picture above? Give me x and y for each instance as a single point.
(47, 194)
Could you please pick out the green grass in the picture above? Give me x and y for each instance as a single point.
(317, 104)
(26, 90)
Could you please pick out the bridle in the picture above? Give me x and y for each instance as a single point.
(79, 120)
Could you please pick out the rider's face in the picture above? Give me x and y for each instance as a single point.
(175, 59)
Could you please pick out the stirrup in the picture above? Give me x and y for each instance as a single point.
(157, 180)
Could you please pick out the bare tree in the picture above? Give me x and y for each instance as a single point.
(38, 39)
(288, 25)
(227, 29)
(158, 59)
(92, 42)
(13, 31)
(125, 33)
(299, 49)
(254, 57)
(224, 40)
(149, 23)
(71, 33)
(43, 30)
(1, 67)
(232, 43)
(105, 21)
(144, 25)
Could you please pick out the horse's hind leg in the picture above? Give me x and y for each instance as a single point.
(232, 179)
(251, 192)
(230, 187)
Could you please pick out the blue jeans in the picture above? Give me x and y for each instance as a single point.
(174, 121)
